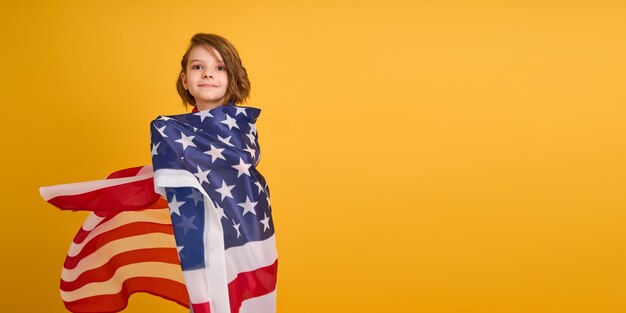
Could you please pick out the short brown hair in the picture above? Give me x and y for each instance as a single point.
(238, 84)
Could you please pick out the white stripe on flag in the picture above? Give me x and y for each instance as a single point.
(91, 222)
(121, 219)
(83, 187)
(106, 252)
(215, 257)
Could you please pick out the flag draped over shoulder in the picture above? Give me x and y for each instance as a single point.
(205, 166)
(218, 228)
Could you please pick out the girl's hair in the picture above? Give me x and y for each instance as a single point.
(238, 88)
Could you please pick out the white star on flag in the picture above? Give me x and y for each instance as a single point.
(154, 148)
(265, 222)
(231, 122)
(202, 175)
(247, 206)
(162, 131)
(251, 138)
(225, 140)
(175, 206)
(203, 114)
(215, 153)
(241, 110)
(180, 248)
(186, 141)
(236, 227)
(250, 150)
(225, 190)
(242, 168)
(220, 212)
(258, 185)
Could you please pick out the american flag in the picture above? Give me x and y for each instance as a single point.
(205, 166)
(219, 215)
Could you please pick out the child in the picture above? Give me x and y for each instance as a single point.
(205, 166)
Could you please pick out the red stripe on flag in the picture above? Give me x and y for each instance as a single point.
(252, 284)
(125, 197)
(164, 288)
(107, 270)
(128, 230)
(201, 307)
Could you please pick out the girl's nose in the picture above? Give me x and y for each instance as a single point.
(206, 74)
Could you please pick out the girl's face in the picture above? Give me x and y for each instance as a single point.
(205, 78)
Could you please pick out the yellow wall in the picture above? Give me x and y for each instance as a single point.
(423, 156)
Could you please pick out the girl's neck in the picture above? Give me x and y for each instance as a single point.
(208, 106)
(203, 107)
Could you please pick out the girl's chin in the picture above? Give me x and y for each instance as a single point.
(209, 99)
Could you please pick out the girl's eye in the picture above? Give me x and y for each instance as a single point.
(221, 68)
(196, 66)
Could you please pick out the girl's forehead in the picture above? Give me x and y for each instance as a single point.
(204, 53)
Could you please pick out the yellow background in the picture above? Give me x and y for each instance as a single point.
(423, 156)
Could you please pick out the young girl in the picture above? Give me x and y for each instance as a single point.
(205, 166)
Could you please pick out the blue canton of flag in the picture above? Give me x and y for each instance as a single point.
(205, 166)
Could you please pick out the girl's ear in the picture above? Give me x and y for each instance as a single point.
(183, 78)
